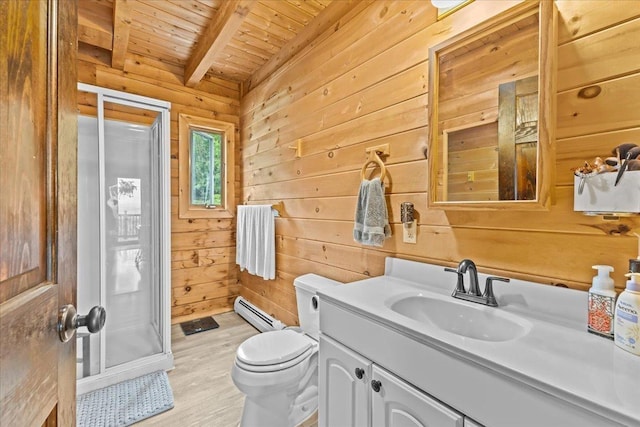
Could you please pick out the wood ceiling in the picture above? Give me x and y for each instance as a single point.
(229, 39)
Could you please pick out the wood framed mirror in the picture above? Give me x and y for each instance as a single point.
(492, 112)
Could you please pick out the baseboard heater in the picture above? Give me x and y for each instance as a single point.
(258, 318)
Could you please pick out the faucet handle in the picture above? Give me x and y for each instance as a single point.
(460, 283)
(488, 290)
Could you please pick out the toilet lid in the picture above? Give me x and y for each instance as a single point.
(273, 347)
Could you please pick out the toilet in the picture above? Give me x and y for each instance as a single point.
(277, 371)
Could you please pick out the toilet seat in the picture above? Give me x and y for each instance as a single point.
(275, 367)
(274, 351)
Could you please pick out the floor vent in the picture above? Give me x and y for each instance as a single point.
(258, 318)
(198, 325)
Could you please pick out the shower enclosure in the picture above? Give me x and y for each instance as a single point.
(123, 235)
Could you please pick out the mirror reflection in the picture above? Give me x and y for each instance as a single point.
(485, 136)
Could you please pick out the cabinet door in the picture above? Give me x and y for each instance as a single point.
(398, 404)
(468, 422)
(344, 397)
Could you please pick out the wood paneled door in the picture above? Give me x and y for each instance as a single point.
(38, 137)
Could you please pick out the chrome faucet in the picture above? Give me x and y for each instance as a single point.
(474, 295)
(468, 265)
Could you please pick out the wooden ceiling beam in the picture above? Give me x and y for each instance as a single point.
(215, 37)
(121, 29)
(94, 31)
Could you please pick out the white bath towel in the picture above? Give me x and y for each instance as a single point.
(372, 220)
(255, 240)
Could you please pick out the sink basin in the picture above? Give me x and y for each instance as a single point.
(480, 323)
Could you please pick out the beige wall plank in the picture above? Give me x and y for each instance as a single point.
(332, 16)
(200, 224)
(407, 177)
(202, 257)
(274, 310)
(395, 119)
(203, 239)
(592, 58)
(580, 18)
(616, 107)
(195, 310)
(207, 274)
(204, 291)
(403, 147)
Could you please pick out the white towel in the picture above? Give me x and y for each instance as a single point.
(255, 240)
(372, 220)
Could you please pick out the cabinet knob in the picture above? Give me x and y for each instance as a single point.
(376, 385)
(359, 373)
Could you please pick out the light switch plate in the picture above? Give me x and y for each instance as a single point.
(410, 231)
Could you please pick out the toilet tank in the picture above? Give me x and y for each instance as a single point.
(306, 287)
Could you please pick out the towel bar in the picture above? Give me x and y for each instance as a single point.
(278, 207)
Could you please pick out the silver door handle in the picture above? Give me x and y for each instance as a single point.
(69, 320)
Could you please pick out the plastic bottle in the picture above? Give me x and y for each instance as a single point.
(602, 299)
(626, 323)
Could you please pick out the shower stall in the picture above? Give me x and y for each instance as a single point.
(123, 235)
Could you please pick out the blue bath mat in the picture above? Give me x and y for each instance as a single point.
(125, 403)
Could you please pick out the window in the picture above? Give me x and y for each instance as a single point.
(205, 157)
(205, 173)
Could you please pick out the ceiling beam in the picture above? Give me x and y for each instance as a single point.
(121, 30)
(93, 30)
(215, 37)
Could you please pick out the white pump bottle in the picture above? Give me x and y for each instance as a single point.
(627, 316)
(602, 299)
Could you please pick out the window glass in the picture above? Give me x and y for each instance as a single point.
(206, 163)
(206, 168)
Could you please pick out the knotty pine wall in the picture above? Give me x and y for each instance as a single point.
(364, 83)
(204, 277)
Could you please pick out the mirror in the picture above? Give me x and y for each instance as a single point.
(492, 115)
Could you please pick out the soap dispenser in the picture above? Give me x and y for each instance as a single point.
(627, 326)
(602, 298)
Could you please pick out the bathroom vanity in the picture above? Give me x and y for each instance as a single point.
(399, 350)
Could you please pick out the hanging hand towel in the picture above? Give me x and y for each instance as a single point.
(372, 221)
(255, 240)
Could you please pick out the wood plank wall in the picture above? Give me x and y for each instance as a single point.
(364, 83)
(204, 278)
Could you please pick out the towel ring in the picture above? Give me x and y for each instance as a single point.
(374, 158)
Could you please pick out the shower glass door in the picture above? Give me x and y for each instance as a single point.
(123, 235)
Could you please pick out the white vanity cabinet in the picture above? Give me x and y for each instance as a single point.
(356, 392)
(425, 370)
(397, 403)
(344, 393)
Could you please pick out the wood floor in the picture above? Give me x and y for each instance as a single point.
(203, 392)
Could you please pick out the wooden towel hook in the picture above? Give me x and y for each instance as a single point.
(298, 148)
(374, 157)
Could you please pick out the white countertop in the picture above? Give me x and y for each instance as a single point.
(557, 355)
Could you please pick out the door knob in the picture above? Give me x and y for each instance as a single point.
(376, 385)
(359, 373)
(69, 320)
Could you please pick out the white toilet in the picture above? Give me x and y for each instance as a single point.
(278, 370)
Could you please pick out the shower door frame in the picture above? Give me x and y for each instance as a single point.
(163, 360)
